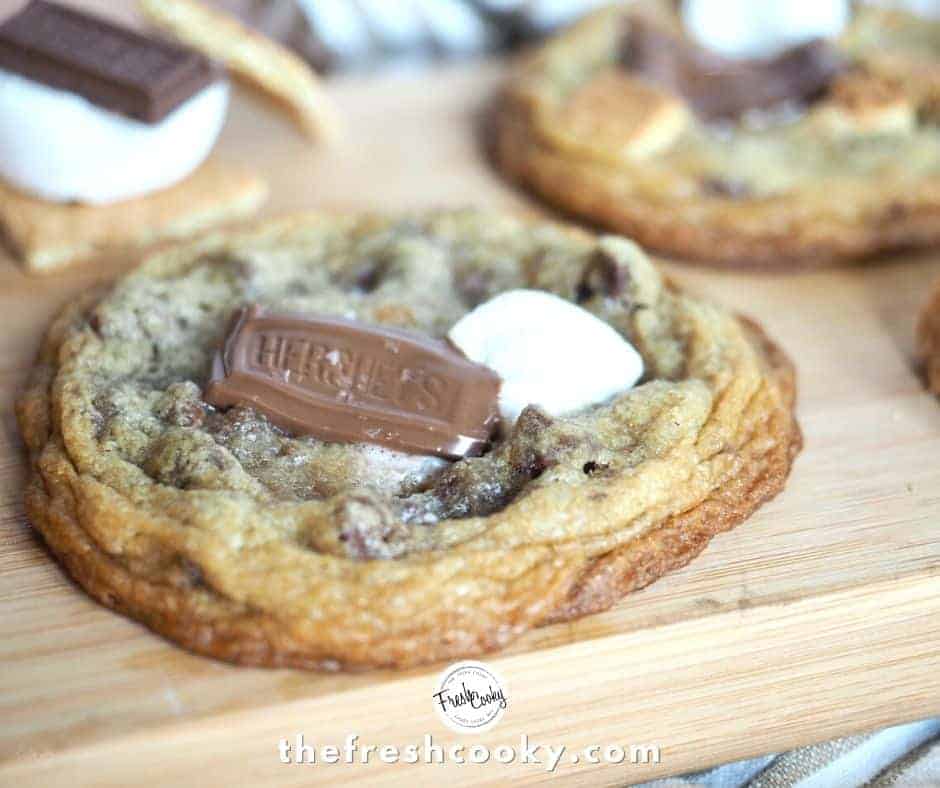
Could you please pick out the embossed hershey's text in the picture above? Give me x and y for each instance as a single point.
(353, 375)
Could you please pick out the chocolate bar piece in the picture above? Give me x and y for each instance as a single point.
(118, 69)
(343, 381)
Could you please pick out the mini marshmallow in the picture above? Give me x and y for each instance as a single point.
(548, 352)
(762, 28)
(58, 146)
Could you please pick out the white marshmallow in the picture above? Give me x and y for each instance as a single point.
(547, 351)
(58, 146)
(762, 28)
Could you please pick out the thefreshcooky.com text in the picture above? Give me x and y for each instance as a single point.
(547, 756)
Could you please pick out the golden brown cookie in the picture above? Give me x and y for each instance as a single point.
(46, 236)
(239, 541)
(854, 173)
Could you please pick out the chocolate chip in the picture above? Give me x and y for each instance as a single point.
(591, 467)
(239, 266)
(299, 287)
(181, 405)
(367, 527)
(192, 573)
(727, 188)
(532, 421)
(526, 458)
(368, 277)
(475, 287)
(602, 275)
(531, 465)
(896, 211)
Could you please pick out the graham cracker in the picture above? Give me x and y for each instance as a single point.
(45, 236)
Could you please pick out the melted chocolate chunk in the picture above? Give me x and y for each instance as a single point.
(718, 88)
(726, 187)
(367, 528)
(602, 275)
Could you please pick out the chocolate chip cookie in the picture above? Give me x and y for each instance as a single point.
(830, 152)
(251, 543)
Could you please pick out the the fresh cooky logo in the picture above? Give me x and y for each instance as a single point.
(470, 697)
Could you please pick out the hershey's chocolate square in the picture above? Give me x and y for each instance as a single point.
(116, 68)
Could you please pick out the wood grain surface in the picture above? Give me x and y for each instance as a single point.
(820, 616)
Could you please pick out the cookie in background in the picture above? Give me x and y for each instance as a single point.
(756, 138)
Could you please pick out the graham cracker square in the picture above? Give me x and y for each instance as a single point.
(45, 236)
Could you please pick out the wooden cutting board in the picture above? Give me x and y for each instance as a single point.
(818, 617)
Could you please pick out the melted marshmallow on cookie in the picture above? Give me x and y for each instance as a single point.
(548, 352)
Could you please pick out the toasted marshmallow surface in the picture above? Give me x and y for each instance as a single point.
(548, 351)
(58, 146)
(762, 28)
